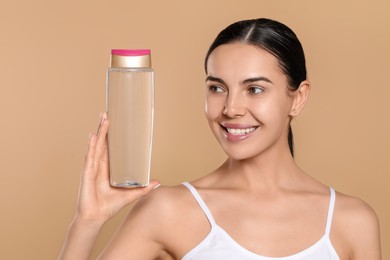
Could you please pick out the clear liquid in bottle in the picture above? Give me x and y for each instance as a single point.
(130, 102)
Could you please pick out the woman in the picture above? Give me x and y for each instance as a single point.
(259, 204)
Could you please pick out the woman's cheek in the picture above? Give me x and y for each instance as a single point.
(213, 107)
(269, 111)
(261, 111)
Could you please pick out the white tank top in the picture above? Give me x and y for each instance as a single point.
(218, 245)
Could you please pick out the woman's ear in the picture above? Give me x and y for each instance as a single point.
(300, 97)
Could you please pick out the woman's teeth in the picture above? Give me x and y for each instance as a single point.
(240, 131)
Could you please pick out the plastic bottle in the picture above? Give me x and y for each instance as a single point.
(130, 109)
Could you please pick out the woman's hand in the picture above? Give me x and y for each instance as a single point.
(98, 201)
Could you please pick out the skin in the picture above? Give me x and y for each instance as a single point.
(259, 196)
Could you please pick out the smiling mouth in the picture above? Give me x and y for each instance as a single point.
(239, 131)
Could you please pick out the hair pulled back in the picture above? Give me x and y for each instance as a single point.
(275, 38)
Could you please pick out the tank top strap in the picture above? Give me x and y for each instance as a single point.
(330, 211)
(201, 203)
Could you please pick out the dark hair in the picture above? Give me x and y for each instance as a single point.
(275, 38)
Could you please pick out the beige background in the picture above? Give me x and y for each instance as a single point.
(53, 58)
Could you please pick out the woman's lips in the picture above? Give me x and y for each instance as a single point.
(235, 132)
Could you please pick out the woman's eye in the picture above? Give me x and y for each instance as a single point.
(216, 89)
(256, 90)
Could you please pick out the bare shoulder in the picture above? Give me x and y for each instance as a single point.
(164, 198)
(169, 212)
(353, 211)
(356, 228)
(163, 202)
(148, 226)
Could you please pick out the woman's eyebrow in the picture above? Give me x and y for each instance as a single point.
(255, 79)
(219, 80)
(246, 81)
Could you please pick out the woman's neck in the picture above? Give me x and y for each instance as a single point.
(271, 170)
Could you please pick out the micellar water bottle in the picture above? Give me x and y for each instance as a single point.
(130, 106)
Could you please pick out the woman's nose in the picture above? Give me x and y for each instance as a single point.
(234, 106)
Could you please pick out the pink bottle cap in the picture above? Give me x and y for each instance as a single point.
(122, 58)
(137, 52)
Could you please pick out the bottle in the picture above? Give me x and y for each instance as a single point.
(130, 109)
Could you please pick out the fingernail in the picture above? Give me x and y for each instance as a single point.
(158, 185)
(100, 115)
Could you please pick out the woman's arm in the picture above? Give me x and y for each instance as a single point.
(80, 239)
(97, 201)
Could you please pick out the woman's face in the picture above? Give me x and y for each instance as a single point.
(248, 104)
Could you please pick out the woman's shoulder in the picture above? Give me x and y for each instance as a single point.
(354, 211)
(169, 213)
(165, 198)
(355, 225)
(150, 229)
(172, 204)
(169, 194)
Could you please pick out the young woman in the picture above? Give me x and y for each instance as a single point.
(259, 204)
